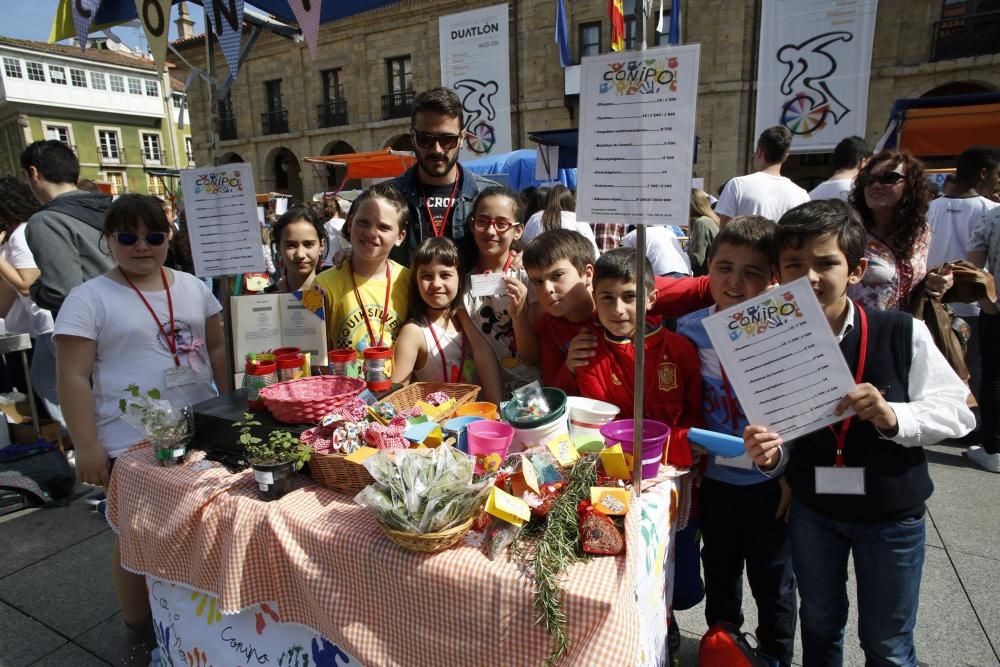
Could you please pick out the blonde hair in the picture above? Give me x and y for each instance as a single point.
(701, 206)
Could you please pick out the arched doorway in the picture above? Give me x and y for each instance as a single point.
(231, 158)
(284, 173)
(401, 142)
(335, 175)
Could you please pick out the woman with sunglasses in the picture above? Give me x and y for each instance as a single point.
(892, 195)
(143, 324)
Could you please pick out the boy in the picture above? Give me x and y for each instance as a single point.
(860, 486)
(367, 296)
(672, 380)
(742, 510)
(560, 264)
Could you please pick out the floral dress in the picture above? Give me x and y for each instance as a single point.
(888, 281)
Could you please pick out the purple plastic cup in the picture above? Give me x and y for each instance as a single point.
(654, 437)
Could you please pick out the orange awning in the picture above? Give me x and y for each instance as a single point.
(950, 130)
(375, 164)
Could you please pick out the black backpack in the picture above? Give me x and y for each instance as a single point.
(44, 463)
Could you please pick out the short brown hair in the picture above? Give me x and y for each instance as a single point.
(746, 231)
(549, 247)
(388, 193)
(820, 218)
(438, 100)
(774, 143)
(619, 264)
(440, 250)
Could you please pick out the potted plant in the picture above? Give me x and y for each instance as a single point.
(167, 427)
(275, 461)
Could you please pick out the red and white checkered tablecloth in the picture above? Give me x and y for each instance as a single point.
(327, 565)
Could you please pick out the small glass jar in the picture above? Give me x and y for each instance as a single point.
(344, 362)
(257, 376)
(377, 368)
(291, 366)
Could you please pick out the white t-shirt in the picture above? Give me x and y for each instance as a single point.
(24, 315)
(334, 239)
(131, 349)
(760, 194)
(663, 250)
(534, 227)
(832, 189)
(951, 220)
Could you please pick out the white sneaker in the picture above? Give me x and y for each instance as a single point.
(983, 459)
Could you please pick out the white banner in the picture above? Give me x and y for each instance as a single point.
(637, 115)
(812, 73)
(475, 62)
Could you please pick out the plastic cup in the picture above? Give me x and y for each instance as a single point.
(489, 441)
(587, 416)
(458, 426)
(654, 437)
(377, 374)
(479, 409)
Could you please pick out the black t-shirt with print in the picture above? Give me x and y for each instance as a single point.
(439, 199)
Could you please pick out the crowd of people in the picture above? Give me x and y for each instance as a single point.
(396, 269)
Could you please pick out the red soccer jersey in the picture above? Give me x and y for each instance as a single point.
(672, 383)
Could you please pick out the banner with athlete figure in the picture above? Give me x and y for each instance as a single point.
(475, 63)
(813, 66)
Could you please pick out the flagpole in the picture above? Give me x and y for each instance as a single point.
(640, 307)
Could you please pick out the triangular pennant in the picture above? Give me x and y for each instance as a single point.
(225, 18)
(84, 12)
(155, 18)
(307, 14)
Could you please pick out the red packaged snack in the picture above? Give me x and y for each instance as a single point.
(598, 534)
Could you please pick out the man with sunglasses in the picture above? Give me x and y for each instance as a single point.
(438, 190)
(64, 234)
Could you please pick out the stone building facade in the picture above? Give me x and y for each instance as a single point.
(354, 96)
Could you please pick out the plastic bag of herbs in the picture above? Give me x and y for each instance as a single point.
(423, 490)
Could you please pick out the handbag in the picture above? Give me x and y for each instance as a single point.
(46, 465)
(725, 646)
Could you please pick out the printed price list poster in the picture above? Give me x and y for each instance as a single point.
(782, 360)
(637, 117)
(220, 205)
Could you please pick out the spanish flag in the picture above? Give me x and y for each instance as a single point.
(617, 14)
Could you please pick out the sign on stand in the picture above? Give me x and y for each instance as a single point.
(637, 118)
(221, 210)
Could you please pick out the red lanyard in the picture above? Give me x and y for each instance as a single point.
(171, 339)
(364, 309)
(732, 409)
(456, 374)
(506, 267)
(862, 358)
(447, 210)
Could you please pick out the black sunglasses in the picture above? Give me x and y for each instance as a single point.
(885, 178)
(427, 140)
(131, 238)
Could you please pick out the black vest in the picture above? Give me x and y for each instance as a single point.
(897, 481)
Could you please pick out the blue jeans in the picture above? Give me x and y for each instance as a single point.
(43, 375)
(888, 560)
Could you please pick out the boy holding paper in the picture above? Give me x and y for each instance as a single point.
(742, 509)
(860, 486)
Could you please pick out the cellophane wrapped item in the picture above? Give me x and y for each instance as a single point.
(423, 490)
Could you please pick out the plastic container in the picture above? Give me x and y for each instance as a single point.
(281, 351)
(479, 409)
(256, 377)
(376, 372)
(539, 431)
(457, 427)
(291, 366)
(274, 480)
(654, 437)
(489, 441)
(587, 416)
(344, 362)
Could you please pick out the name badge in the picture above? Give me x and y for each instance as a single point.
(840, 480)
(179, 376)
(743, 461)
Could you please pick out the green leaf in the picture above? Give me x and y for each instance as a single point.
(153, 393)
(121, 404)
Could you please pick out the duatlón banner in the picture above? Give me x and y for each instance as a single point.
(813, 67)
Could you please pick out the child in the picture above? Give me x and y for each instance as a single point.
(299, 242)
(860, 486)
(742, 510)
(506, 320)
(139, 323)
(439, 342)
(560, 264)
(367, 295)
(672, 381)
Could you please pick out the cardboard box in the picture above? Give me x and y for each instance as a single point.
(17, 413)
(25, 433)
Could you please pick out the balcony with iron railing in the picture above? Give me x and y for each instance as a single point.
(227, 128)
(332, 113)
(397, 105)
(152, 158)
(274, 122)
(109, 156)
(966, 36)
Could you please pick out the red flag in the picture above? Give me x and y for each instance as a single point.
(616, 12)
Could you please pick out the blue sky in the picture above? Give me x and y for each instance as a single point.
(32, 19)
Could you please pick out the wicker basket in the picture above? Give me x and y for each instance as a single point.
(333, 471)
(407, 397)
(307, 400)
(428, 543)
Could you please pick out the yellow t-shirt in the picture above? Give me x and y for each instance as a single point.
(345, 323)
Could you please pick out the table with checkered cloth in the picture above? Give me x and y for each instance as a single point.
(323, 562)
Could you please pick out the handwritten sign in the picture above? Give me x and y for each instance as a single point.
(782, 359)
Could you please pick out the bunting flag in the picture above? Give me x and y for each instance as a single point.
(155, 18)
(562, 35)
(225, 18)
(616, 12)
(83, 16)
(307, 15)
(659, 24)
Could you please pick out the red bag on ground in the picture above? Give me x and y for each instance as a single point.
(725, 646)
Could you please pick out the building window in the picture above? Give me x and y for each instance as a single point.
(628, 10)
(272, 92)
(117, 83)
(590, 39)
(78, 78)
(400, 78)
(332, 89)
(35, 71)
(97, 81)
(177, 100)
(117, 181)
(189, 150)
(109, 145)
(152, 88)
(58, 132)
(12, 68)
(155, 185)
(134, 86)
(151, 147)
(275, 119)
(663, 38)
(57, 74)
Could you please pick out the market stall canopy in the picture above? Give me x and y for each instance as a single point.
(519, 167)
(566, 140)
(375, 164)
(943, 126)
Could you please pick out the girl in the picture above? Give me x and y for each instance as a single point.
(139, 323)
(704, 226)
(559, 213)
(439, 343)
(298, 240)
(506, 319)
